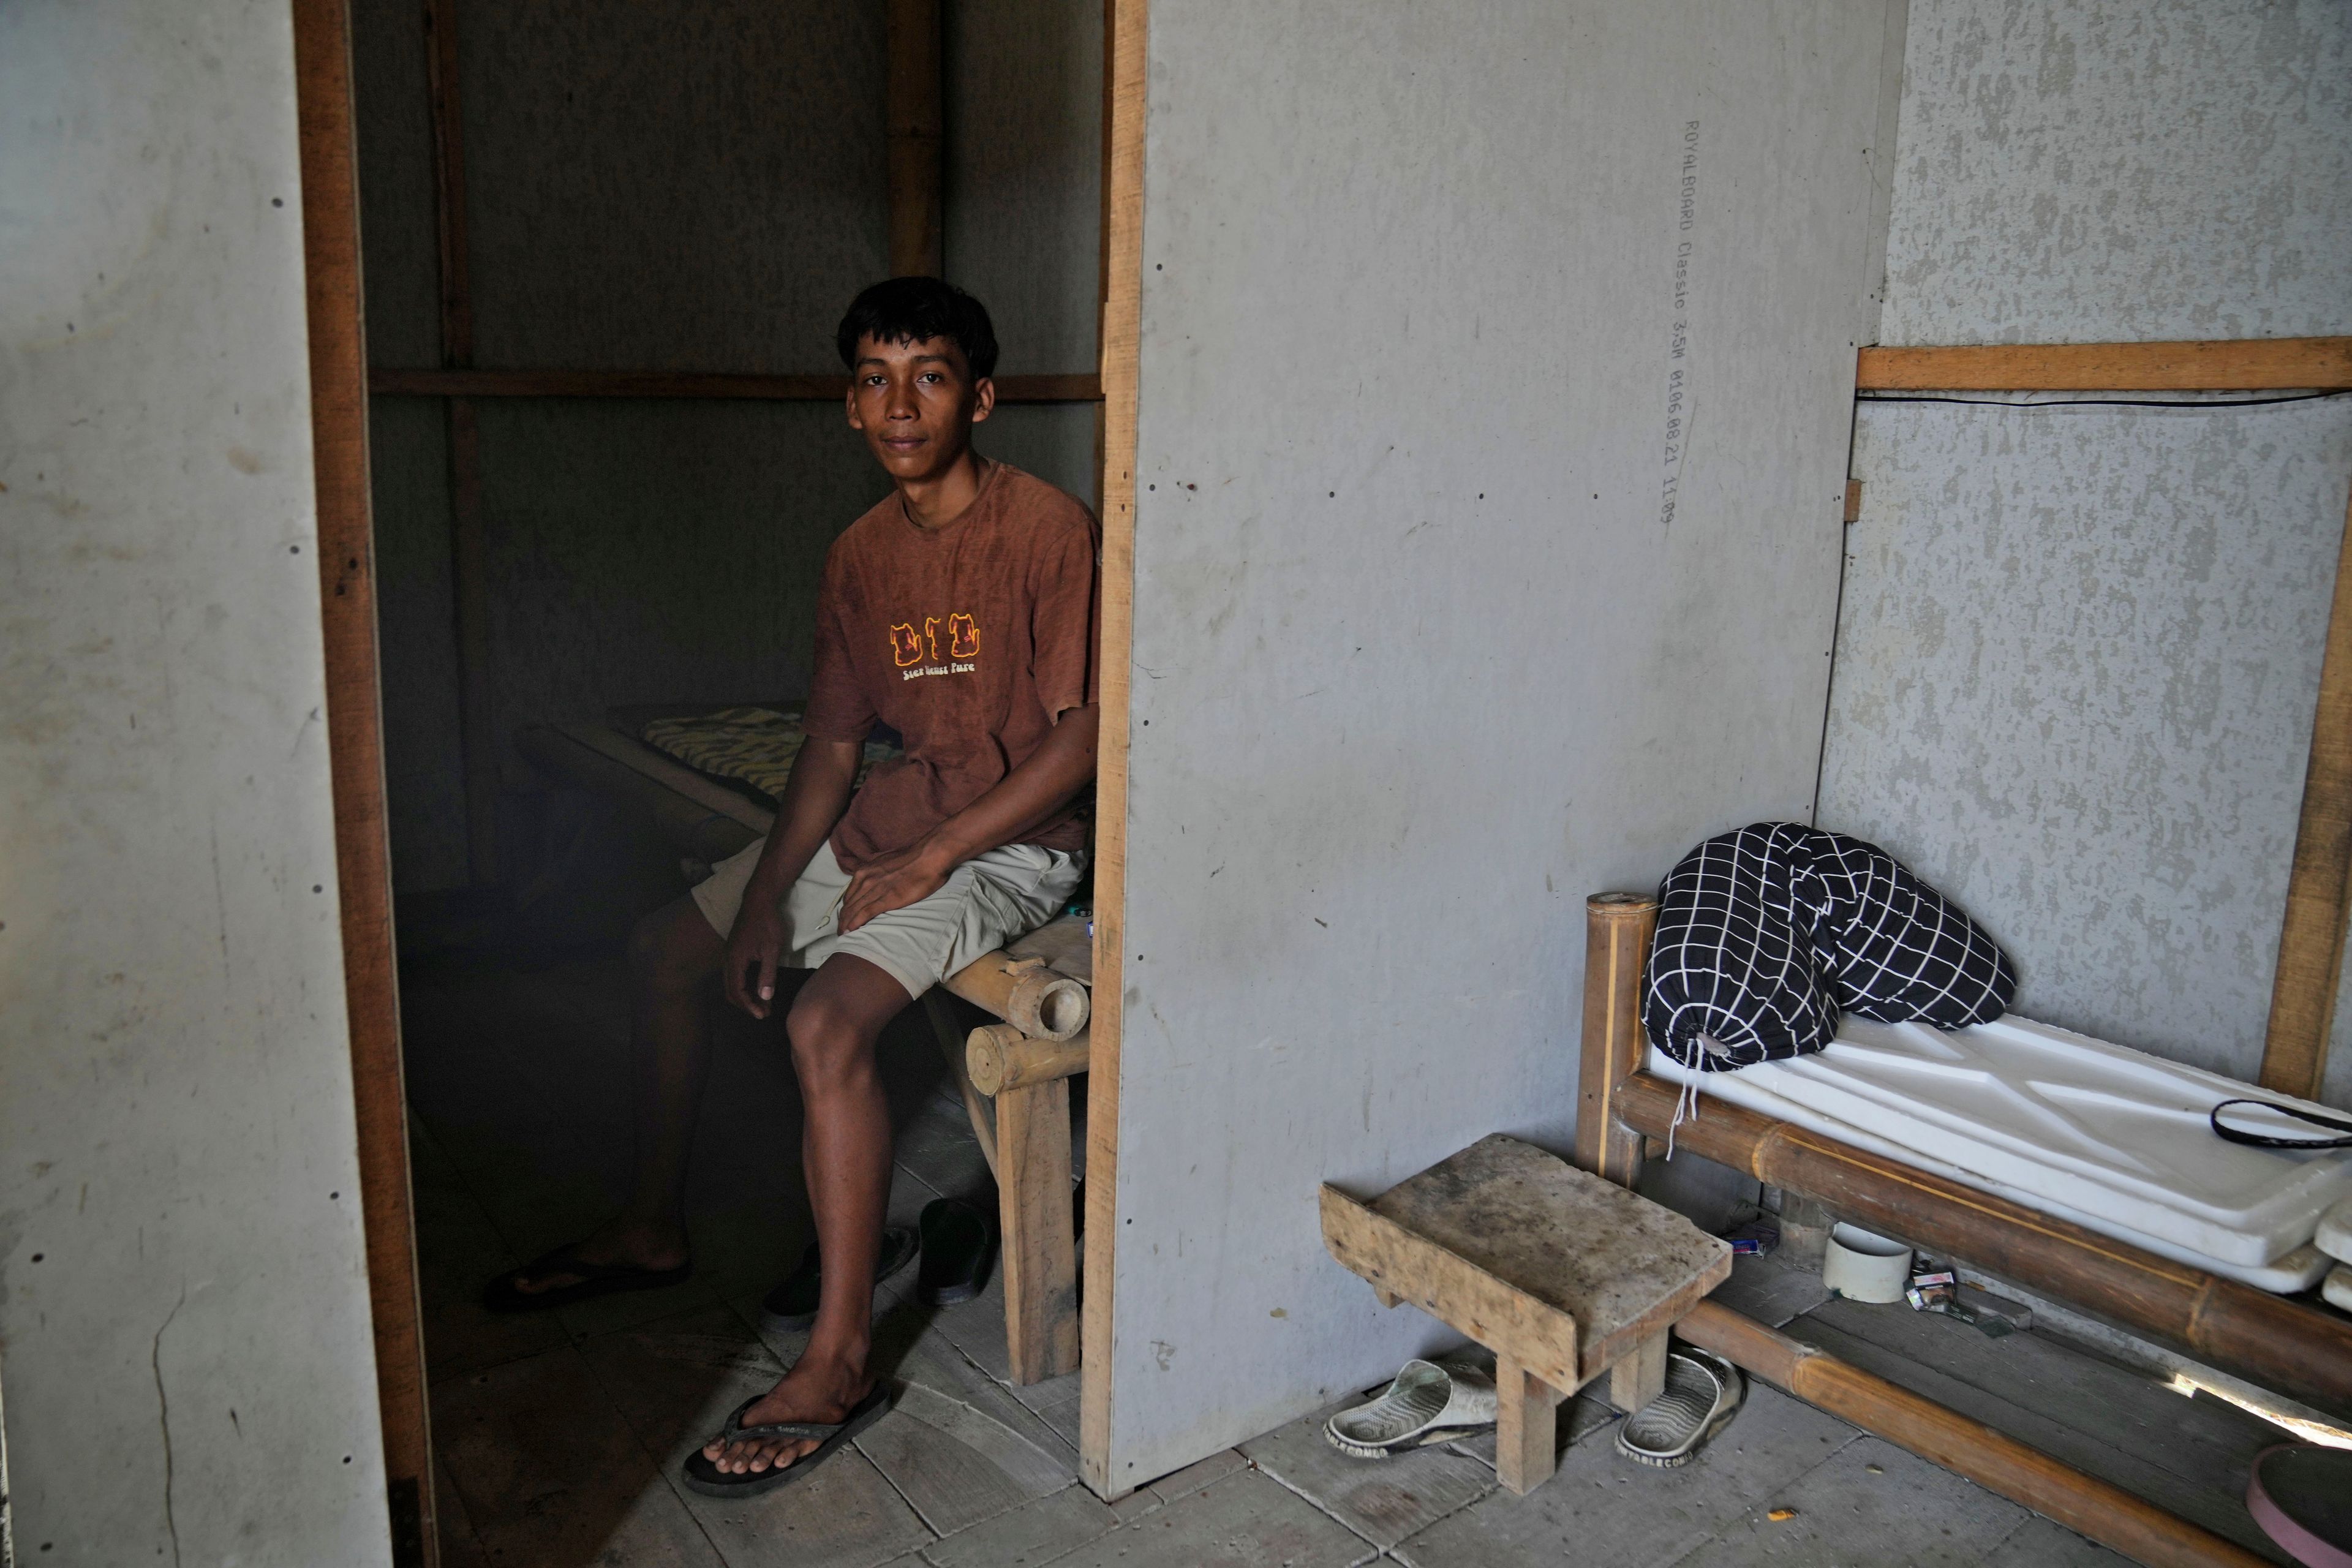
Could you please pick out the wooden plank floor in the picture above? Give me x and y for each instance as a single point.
(558, 1437)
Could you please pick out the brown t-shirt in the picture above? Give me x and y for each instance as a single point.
(969, 641)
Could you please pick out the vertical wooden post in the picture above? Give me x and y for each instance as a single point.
(1526, 1428)
(2319, 889)
(1640, 1376)
(1617, 931)
(330, 254)
(1040, 1253)
(468, 554)
(1123, 106)
(915, 129)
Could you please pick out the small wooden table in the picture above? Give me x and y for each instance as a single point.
(1562, 1275)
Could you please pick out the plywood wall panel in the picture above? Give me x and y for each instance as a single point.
(658, 551)
(402, 270)
(180, 1222)
(416, 631)
(1025, 173)
(1421, 658)
(2093, 172)
(656, 188)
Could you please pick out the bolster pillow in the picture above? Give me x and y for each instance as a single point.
(1768, 935)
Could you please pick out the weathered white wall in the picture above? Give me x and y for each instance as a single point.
(1418, 662)
(183, 1296)
(2077, 663)
(2079, 648)
(2080, 171)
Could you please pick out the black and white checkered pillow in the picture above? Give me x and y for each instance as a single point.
(1765, 935)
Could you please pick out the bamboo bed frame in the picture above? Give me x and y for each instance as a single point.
(2288, 1345)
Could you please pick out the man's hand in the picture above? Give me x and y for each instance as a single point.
(754, 948)
(905, 877)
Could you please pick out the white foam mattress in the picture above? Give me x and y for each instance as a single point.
(2111, 1138)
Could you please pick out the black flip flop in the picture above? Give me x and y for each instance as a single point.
(959, 1243)
(505, 1294)
(701, 1475)
(792, 1305)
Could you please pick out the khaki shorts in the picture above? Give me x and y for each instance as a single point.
(987, 901)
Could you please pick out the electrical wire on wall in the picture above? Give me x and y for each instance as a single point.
(2064, 400)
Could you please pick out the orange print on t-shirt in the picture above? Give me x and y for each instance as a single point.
(905, 645)
(963, 637)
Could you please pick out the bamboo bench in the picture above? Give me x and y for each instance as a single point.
(1014, 1077)
(2297, 1348)
(1564, 1276)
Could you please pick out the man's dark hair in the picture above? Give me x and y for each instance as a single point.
(910, 310)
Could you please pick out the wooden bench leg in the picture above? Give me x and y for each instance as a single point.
(951, 1032)
(1527, 1426)
(1640, 1376)
(1040, 1248)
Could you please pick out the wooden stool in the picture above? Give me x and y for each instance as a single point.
(1562, 1275)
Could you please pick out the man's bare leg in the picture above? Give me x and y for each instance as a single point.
(845, 1154)
(673, 955)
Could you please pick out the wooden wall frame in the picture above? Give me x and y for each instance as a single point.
(469, 551)
(1125, 24)
(915, 133)
(2319, 888)
(1084, 387)
(346, 547)
(2246, 364)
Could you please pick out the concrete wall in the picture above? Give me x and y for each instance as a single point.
(1420, 659)
(2082, 170)
(2075, 673)
(697, 190)
(2079, 647)
(183, 1297)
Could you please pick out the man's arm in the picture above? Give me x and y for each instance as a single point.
(814, 796)
(1048, 778)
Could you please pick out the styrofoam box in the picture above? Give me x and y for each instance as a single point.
(2111, 1138)
(2333, 1237)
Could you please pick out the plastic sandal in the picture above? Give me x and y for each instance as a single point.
(2335, 1237)
(792, 1305)
(1428, 1401)
(701, 1475)
(2302, 1497)
(506, 1294)
(959, 1242)
(1703, 1393)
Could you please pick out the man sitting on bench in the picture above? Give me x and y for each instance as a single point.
(960, 612)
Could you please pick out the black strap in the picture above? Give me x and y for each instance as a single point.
(2265, 1140)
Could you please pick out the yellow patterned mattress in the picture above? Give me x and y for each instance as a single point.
(753, 745)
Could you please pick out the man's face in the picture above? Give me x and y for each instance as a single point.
(915, 405)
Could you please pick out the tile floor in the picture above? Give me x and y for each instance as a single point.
(559, 1435)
